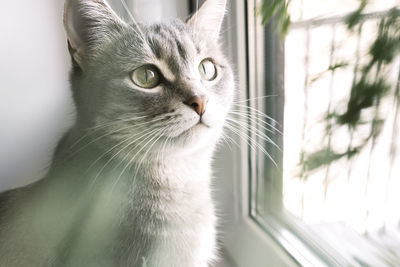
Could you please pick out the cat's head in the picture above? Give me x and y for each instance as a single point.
(149, 87)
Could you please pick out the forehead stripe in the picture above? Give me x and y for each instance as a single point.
(165, 70)
(181, 50)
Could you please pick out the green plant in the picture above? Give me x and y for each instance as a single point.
(367, 91)
(277, 11)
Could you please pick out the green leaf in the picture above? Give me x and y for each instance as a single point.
(277, 11)
(338, 66)
(363, 95)
(324, 157)
(268, 9)
(354, 18)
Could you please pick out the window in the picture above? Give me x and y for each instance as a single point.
(342, 214)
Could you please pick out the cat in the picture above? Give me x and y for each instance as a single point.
(130, 182)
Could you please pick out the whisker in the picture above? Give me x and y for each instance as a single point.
(113, 132)
(91, 130)
(149, 135)
(255, 98)
(133, 19)
(143, 134)
(230, 139)
(257, 112)
(131, 160)
(160, 134)
(120, 119)
(163, 147)
(256, 121)
(246, 138)
(227, 141)
(257, 132)
(130, 138)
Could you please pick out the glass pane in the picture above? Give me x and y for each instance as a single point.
(308, 9)
(352, 203)
(339, 184)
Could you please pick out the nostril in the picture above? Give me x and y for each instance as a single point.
(198, 103)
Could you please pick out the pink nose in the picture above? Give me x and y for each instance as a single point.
(198, 103)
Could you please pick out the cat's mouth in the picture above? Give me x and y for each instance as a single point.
(197, 126)
(201, 123)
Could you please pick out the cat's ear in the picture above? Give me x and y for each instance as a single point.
(87, 23)
(208, 19)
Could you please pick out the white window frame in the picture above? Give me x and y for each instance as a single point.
(244, 241)
(247, 242)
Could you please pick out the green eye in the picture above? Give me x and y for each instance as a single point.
(146, 76)
(207, 70)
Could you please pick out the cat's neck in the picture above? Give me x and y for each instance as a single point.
(170, 168)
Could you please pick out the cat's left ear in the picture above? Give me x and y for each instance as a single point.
(87, 24)
(208, 19)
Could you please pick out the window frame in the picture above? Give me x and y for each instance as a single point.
(244, 240)
(280, 240)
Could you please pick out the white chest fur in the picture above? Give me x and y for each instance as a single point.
(173, 211)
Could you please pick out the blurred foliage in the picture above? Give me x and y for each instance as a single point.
(364, 94)
(324, 157)
(333, 67)
(367, 91)
(277, 12)
(355, 18)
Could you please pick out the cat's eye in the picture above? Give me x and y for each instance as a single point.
(147, 76)
(207, 70)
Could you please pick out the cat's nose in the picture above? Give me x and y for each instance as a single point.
(198, 104)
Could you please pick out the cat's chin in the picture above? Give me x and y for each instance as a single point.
(194, 131)
(197, 136)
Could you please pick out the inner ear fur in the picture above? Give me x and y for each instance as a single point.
(87, 23)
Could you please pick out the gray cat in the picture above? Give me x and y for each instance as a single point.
(130, 182)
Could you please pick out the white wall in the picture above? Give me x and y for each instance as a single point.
(35, 102)
(34, 96)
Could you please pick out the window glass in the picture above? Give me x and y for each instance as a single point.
(352, 203)
(310, 9)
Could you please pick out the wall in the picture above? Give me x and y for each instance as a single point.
(34, 96)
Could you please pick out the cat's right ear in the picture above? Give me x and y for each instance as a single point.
(88, 23)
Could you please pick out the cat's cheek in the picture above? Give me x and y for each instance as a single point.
(208, 135)
(214, 116)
